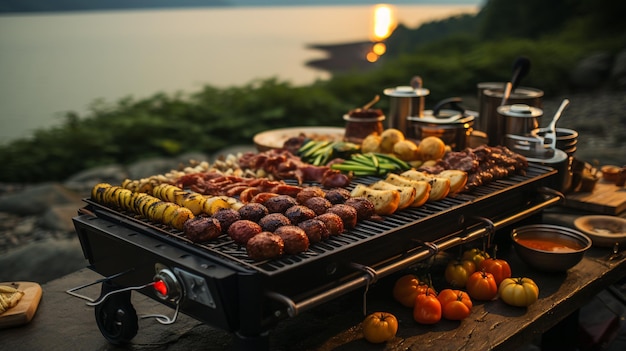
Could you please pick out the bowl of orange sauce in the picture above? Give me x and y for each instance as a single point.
(550, 248)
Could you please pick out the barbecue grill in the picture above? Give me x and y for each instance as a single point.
(218, 284)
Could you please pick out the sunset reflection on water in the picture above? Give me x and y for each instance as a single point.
(384, 23)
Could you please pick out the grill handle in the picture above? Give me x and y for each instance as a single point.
(430, 249)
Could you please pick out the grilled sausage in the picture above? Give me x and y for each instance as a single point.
(347, 213)
(280, 203)
(201, 229)
(243, 230)
(226, 217)
(272, 221)
(309, 192)
(364, 208)
(299, 213)
(315, 229)
(318, 204)
(253, 211)
(265, 246)
(337, 195)
(294, 237)
(333, 222)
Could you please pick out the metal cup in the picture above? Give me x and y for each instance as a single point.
(405, 101)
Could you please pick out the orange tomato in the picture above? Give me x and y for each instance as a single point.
(481, 285)
(427, 309)
(379, 327)
(456, 305)
(498, 267)
(406, 289)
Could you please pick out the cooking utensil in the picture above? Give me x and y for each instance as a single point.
(552, 126)
(371, 103)
(520, 70)
(521, 66)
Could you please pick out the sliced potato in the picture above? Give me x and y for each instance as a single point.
(458, 179)
(440, 187)
(422, 188)
(407, 194)
(385, 201)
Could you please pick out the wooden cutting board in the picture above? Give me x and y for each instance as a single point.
(606, 198)
(24, 311)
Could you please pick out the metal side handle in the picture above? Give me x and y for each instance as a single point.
(428, 249)
(94, 302)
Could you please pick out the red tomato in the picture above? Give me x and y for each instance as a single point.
(407, 288)
(455, 304)
(458, 271)
(499, 268)
(427, 309)
(482, 286)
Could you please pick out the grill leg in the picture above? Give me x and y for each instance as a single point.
(246, 342)
(251, 335)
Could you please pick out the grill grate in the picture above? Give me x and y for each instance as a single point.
(365, 231)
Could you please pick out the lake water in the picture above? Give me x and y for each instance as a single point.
(54, 63)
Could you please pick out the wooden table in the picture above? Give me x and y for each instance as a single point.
(63, 322)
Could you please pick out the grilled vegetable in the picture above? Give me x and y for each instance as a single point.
(146, 205)
(319, 153)
(371, 164)
(196, 202)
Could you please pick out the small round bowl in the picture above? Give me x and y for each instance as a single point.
(550, 248)
(604, 231)
(610, 173)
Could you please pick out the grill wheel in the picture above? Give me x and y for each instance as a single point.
(116, 317)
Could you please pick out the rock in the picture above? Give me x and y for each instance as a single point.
(37, 199)
(59, 217)
(150, 166)
(42, 261)
(618, 73)
(592, 71)
(82, 182)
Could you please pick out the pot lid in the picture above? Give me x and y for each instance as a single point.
(520, 110)
(445, 117)
(406, 91)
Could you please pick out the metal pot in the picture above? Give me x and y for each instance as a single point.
(405, 101)
(453, 125)
(519, 119)
(561, 162)
(490, 95)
